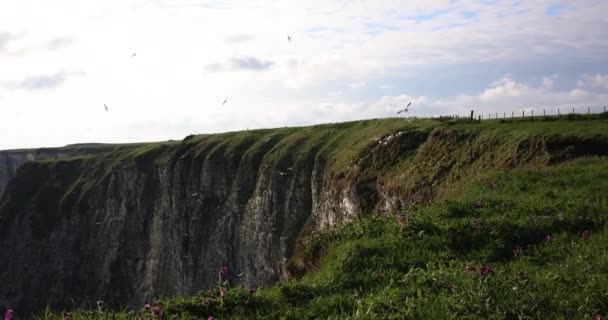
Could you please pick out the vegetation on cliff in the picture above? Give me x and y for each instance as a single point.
(497, 220)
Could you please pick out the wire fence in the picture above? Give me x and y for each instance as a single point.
(531, 113)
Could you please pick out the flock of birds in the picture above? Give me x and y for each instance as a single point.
(404, 110)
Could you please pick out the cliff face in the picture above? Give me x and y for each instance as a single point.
(161, 219)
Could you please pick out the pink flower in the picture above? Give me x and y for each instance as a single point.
(252, 290)
(549, 237)
(8, 315)
(485, 272)
(400, 218)
(147, 306)
(211, 318)
(597, 317)
(222, 292)
(225, 271)
(157, 311)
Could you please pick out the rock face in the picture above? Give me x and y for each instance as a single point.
(161, 219)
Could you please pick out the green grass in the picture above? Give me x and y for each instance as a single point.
(425, 267)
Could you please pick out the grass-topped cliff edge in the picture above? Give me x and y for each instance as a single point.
(499, 219)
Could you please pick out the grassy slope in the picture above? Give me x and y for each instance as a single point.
(429, 266)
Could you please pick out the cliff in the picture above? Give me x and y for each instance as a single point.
(161, 219)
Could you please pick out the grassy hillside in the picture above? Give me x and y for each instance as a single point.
(517, 233)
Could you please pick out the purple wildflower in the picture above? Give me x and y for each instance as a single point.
(225, 271)
(400, 218)
(486, 271)
(597, 317)
(147, 306)
(157, 311)
(8, 315)
(548, 238)
(211, 318)
(223, 292)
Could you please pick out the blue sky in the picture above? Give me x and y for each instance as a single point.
(61, 61)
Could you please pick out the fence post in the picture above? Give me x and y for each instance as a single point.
(471, 115)
(532, 114)
(511, 114)
(504, 115)
(479, 118)
(558, 112)
(588, 110)
(572, 110)
(544, 114)
(523, 115)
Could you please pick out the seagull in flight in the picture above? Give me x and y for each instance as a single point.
(133, 55)
(406, 109)
(105, 106)
(225, 100)
(288, 38)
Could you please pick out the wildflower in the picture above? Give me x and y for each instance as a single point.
(597, 317)
(478, 204)
(223, 292)
(225, 271)
(493, 185)
(211, 318)
(157, 311)
(486, 271)
(585, 235)
(8, 315)
(400, 218)
(252, 290)
(549, 237)
(147, 306)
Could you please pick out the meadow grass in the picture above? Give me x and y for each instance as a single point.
(527, 243)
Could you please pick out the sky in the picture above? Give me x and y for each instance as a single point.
(62, 60)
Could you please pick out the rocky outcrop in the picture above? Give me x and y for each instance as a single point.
(161, 219)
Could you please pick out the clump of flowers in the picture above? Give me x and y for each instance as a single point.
(147, 306)
(8, 315)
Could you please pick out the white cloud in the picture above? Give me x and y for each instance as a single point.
(357, 84)
(594, 81)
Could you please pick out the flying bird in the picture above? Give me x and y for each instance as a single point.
(225, 100)
(406, 109)
(288, 38)
(133, 55)
(105, 106)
